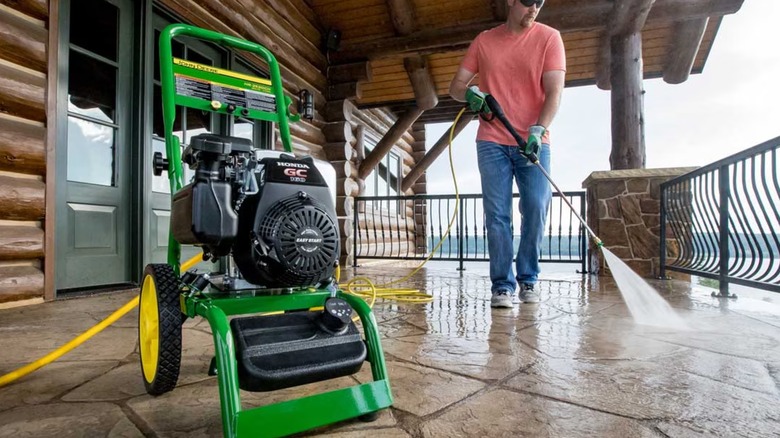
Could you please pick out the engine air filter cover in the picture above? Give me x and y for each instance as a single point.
(287, 233)
(304, 238)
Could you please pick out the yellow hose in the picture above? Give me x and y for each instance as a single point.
(80, 339)
(75, 342)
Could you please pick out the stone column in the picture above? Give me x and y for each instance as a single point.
(624, 211)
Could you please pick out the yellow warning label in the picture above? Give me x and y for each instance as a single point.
(219, 71)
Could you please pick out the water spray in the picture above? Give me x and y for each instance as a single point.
(498, 112)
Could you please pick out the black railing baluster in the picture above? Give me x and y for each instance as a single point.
(739, 214)
(729, 229)
(708, 194)
(461, 209)
(770, 197)
(725, 195)
(355, 233)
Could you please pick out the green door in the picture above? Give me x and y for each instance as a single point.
(94, 212)
(188, 124)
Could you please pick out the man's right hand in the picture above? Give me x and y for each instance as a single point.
(476, 100)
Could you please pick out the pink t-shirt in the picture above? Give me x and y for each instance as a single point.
(510, 67)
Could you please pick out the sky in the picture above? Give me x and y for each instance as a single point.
(733, 105)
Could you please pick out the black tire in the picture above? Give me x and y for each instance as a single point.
(159, 341)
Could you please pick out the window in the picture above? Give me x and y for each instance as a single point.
(92, 93)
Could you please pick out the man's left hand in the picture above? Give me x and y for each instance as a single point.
(534, 143)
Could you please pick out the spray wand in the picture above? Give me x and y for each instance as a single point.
(498, 112)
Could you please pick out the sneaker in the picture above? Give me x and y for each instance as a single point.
(501, 298)
(528, 294)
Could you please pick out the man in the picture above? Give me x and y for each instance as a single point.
(522, 64)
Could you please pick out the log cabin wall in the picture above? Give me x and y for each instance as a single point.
(23, 75)
(346, 132)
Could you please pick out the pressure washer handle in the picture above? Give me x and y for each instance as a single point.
(496, 109)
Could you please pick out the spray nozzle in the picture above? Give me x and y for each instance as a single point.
(598, 241)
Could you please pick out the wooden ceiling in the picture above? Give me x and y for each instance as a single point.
(379, 36)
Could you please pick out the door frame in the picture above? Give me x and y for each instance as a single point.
(57, 183)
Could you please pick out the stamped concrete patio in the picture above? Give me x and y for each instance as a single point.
(574, 365)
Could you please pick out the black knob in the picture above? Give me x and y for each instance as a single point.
(159, 164)
(244, 112)
(230, 108)
(336, 316)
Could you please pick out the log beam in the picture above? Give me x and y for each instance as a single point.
(22, 93)
(338, 131)
(685, 45)
(35, 8)
(628, 145)
(388, 141)
(22, 147)
(585, 16)
(434, 153)
(20, 283)
(21, 199)
(352, 72)
(603, 81)
(402, 16)
(422, 82)
(338, 151)
(21, 243)
(348, 90)
(22, 41)
(339, 111)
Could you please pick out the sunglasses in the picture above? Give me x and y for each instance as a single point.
(529, 3)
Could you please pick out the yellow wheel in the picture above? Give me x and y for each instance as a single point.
(159, 329)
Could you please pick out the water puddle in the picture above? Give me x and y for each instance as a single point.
(645, 304)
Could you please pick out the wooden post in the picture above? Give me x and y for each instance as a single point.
(624, 28)
(386, 143)
(628, 146)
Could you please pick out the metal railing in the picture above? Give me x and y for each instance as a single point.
(409, 227)
(722, 221)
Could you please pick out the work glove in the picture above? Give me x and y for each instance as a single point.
(534, 143)
(475, 100)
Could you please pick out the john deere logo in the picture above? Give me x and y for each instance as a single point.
(308, 240)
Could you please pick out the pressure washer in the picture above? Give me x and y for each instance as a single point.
(270, 217)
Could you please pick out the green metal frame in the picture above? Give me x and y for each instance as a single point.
(291, 416)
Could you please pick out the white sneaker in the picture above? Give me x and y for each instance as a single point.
(501, 298)
(528, 294)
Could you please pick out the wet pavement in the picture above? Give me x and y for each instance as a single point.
(574, 365)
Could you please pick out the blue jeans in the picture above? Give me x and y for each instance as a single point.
(498, 166)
